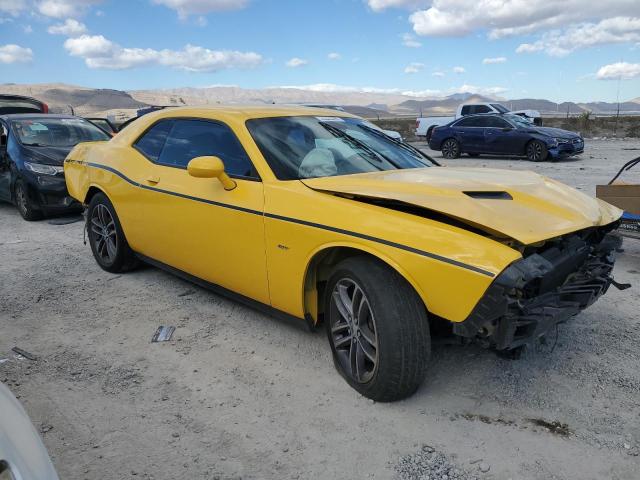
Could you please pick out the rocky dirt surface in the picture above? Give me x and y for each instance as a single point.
(237, 394)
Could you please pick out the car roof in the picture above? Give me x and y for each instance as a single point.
(246, 112)
(28, 116)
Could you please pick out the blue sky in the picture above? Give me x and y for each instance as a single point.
(559, 50)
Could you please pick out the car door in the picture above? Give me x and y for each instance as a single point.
(194, 224)
(5, 172)
(469, 133)
(503, 138)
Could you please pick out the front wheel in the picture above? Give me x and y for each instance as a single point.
(378, 329)
(451, 148)
(536, 151)
(21, 197)
(106, 237)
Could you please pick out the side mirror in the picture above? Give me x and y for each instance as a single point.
(210, 167)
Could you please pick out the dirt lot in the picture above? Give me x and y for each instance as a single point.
(237, 394)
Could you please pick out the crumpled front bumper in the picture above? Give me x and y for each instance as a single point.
(543, 289)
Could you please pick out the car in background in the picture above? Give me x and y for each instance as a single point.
(504, 134)
(313, 215)
(104, 124)
(390, 133)
(19, 104)
(32, 151)
(425, 125)
(22, 453)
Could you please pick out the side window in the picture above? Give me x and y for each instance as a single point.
(496, 122)
(466, 110)
(483, 109)
(189, 139)
(151, 142)
(468, 122)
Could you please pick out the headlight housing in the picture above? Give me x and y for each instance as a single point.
(562, 140)
(552, 142)
(42, 169)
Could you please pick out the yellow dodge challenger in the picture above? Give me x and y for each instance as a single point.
(318, 215)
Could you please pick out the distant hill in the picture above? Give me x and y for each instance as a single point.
(374, 104)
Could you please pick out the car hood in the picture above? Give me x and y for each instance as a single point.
(521, 205)
(556, 132)
(46, 155)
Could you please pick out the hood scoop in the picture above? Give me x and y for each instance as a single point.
(489, 195)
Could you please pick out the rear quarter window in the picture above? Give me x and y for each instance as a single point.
(150, 144)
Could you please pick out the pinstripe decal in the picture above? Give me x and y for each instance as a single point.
(294, 220)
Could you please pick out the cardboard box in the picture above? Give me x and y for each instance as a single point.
(623, 196)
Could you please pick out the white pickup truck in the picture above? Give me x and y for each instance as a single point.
(426, 124)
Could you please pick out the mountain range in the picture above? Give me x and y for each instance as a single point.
(123, 104)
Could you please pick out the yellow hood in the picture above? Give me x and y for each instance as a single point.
(534, 208)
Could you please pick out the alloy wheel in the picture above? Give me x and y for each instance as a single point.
(104, 236)
(450, 149)
(353, 331)
(21, 199)
(534, 151)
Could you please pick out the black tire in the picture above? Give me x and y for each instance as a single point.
(396, 320)
(536, 151)
(473, 155)
(450, 148)
(24, 206)
(106, 238)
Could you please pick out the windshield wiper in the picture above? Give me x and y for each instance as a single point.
(400, 143)
(359, 143)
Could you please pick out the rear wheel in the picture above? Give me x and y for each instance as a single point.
(21, 197)
(377, 328)
(107, 240)
(450, 148)
(536, 151)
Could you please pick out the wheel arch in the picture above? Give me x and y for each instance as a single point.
(91, 192)
(319, 267)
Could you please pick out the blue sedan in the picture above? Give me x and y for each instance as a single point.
(504, 135)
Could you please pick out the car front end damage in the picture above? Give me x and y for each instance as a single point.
(549, 285)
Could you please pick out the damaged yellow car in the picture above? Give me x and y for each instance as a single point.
(318, 215)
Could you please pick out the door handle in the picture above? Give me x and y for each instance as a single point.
(153, 179)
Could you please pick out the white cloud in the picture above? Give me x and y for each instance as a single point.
(494, 60)
(27, 29)
(409, 40)
(458, 70)
(70, 28)
(559, 43)
(65, 8)
(13, 7)
(379, 5)
(296, 62)
(414, 67)
(512, 17)
(438, 74)
(12, 53)
(620, 70)
(201, 7)
(334, 56)
(333, 88)
(99, 52)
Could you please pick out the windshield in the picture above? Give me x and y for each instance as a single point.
(56, 132)
(499, 108)
(309, 147)
(519, 121)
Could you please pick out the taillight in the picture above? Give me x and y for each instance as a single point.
(45, 108)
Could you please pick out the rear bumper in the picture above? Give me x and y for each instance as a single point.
(537, 292)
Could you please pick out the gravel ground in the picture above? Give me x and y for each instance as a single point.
(236, 394)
